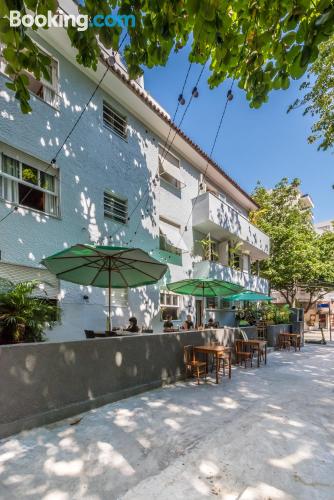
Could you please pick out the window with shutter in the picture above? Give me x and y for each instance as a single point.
(115, 207)
(114, 120)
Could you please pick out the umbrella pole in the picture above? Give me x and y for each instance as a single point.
(203, 309)
(109, 301)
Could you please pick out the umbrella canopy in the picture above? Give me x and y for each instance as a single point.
(248, 295)
(204, 287)
(105, 267)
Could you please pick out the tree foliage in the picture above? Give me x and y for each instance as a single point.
(300, 259)
(318, 99)
(262, 43)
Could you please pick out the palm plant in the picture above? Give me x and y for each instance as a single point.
(22, 316)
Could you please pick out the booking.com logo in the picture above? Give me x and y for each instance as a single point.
(81, 21)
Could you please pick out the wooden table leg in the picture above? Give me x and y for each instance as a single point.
(217, 381)
(265, 354)
(258, 355)
(206, 363)
(229, 364)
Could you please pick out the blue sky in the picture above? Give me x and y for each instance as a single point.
(264, 144)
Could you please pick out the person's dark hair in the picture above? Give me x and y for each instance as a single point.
(133, 320)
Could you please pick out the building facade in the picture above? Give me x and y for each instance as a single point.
(116, 181)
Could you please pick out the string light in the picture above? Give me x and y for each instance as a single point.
(194, 92)
(181, 100)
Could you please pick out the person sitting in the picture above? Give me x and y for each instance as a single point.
(210, 323)
(188, 323)
(168, 324)
(133, 325)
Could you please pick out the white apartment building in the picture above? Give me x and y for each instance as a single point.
(114, 182)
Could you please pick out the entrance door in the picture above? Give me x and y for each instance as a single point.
(199, 309)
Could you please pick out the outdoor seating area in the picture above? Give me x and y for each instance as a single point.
(289, 340)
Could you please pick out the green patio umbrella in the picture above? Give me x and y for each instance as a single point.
(248, 295)
(105, 267)
(204, 287)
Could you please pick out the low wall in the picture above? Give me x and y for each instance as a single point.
(274, 330)
(42, 383)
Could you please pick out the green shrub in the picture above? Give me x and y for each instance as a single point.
(23, 318)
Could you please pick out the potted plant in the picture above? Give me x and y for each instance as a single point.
(208, 248)
(24, 318)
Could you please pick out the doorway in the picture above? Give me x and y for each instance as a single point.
(199, 312)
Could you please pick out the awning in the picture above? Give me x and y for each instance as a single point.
(16, 273)
(172, 235)
(171, 165)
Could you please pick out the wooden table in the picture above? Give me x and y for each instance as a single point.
(259, 344)
(216, 350)
(293, 336)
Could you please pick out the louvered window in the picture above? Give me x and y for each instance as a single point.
(114, 120)
(115, 207)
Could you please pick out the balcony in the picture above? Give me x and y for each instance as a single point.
(207, 269)
(215, 216)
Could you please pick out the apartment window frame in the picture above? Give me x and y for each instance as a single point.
(49, 90)
(170, 305)
(119, 297)
(14, 182)
(116, 199)
(164, 245)
(164, 175)
(118, 122)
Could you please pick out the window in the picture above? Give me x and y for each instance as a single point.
(115, 207)
(169, 168)
(212, 303)
(28, 186)
(45, 88)
(170, 238)
(119, 297)
(114, 120)
(169, 305)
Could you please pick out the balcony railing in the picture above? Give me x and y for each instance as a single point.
(212, 214)
(207, 269)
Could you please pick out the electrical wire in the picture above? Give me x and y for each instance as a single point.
(228, 99)
(163, 159)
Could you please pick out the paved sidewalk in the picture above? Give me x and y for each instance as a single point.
(266, 434)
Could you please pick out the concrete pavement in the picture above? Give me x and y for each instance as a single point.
(266, 434)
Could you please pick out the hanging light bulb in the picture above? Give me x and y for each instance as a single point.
(229, 95)
(181, 100)
(194, 92)
(53, 161)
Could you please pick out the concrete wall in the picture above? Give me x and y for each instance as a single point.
(42, 383)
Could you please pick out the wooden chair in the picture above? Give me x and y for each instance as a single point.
(261, 330)
(223, 359)
(283, 342)
(241, 354)
(296, 342)
(252, 348)
(194, 366)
